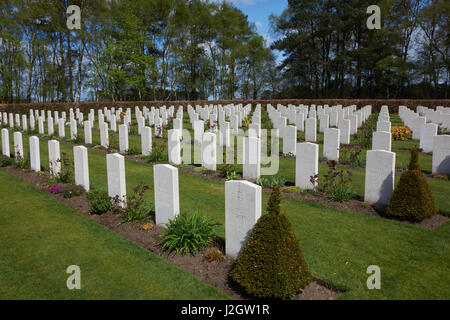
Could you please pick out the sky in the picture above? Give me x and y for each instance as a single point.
(258, 12)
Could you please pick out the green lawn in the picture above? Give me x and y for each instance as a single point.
(338, 245)
(41, 237)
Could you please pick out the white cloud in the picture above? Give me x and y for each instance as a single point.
(258, 24)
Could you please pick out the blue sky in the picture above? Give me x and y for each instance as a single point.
(258, 12)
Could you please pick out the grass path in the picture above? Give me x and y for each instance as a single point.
(41, 237)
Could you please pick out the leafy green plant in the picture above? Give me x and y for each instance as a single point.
(5, 162)
(337, 184)
(270, 181)
(351, 155)
(229, 172)
(293, 189)
(22, 162)
(70, 191)
(137, 209)
(132, 150)
(158, 153)
(188, 233)
(99, 201)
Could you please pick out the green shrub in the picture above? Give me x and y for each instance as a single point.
(271, 264)
(71, 190)
(21, 162)
(188, 233)
(351, 156)
(270, 181)
(412, 199)
(293, 189)
(132, 150)
(5, 162)
(229, 172)
(99, 201)
(158, 153)
(337, 184)
(137, 209)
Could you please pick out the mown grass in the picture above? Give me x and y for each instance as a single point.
(338, 245)
(41, 237)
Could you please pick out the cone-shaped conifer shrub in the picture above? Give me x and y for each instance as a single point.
(271, 264)
(412, 198)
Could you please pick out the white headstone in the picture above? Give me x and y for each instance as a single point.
(331, 144)
(174, 143)
(344, 127)
(5, 142)
(167, 205)
(427, 134)
(380, 175)
(146, 141)
(81, 166)
(35, 156)
(115, 164)
(18, 145)
(289, 140)
(311, 130)
(88, 132)
(441, 154)
(381, 140)
(209, 151)
(306, 164)
(242, 211)
(252, 158)
(123, 138)
(54, 158)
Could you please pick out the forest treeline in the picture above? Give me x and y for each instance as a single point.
(141, 50)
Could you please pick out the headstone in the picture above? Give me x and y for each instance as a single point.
(87, 132)
(5, 142)
(198, 131)
(174, 146)
(50, 126)
(104, 135)
(381, 140)
(344, 127)
(81, 166)
(115, 165)
(35, 156)
(427, 134)
(242, 211)
(167, 205)
(123, 138)
(306, 164)
(311, 130)
(54, 158)
(209, 151)
(384, 126)
(380, 175)
(441, 154)
(18, 145)
(73, 129)
(324, 122)
(252, 158)
(146, 141)
(61, 128)
(289, 140)
(331, 144)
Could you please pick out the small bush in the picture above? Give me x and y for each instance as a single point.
(271, 264)
(158, 153)
(351, 156)
(293, 189)
(70, 191)
(21, 162)
(99, 201)
(270, 181)
(137, 209)
(412, 199)
(5, 162)
(214, 254)
(337, 185)
(188, 233)
(400, 133)
(229, 172)
(132, 150)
